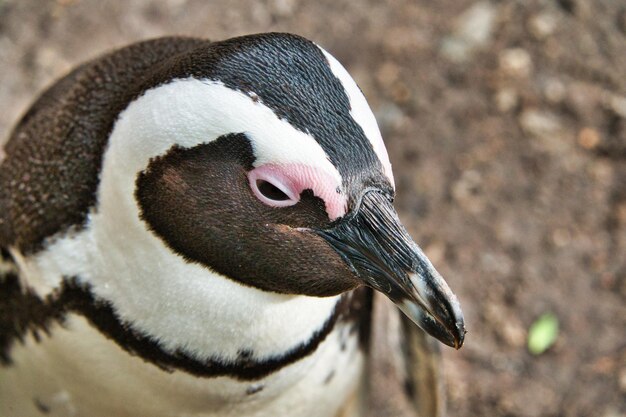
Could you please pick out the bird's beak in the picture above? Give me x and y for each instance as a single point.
(379, 250)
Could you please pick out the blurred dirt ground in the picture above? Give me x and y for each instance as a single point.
(506, 126)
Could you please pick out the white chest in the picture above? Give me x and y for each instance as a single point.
(78, 372)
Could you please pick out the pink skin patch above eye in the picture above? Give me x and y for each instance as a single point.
(292, 179)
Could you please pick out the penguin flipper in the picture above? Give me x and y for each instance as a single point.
(404, 375)
(425, 378)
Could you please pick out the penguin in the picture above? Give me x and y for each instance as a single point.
(197, 228)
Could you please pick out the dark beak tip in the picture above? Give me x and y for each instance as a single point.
(451, 326)
(459, 338)
(455, 338)
(448, 327)
(458, 331)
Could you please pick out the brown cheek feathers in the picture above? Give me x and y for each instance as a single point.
(199, 203)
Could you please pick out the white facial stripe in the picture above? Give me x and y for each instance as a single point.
(183, 305)
(361, 112)
(189, 112)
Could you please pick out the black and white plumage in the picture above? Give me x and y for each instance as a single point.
(188, 228)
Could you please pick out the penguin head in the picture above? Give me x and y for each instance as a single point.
(259, 159)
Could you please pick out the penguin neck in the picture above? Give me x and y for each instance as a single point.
(184, 306)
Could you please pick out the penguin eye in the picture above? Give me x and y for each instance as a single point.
(272, 187)
(270, 191)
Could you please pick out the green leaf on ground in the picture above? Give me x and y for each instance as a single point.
(543, 333)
